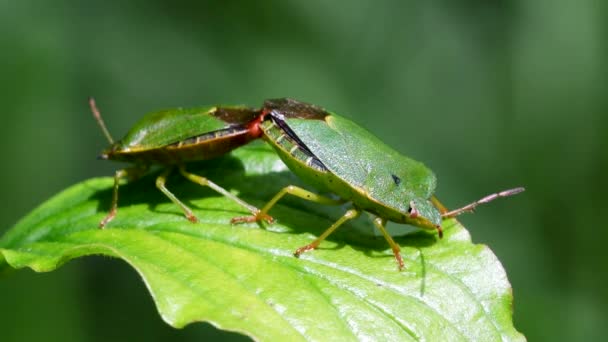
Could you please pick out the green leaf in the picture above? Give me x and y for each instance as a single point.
(244, 277)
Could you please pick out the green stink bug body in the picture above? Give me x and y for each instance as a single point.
(183, 135)
(175, 137)
(355, 165)
(334, 154)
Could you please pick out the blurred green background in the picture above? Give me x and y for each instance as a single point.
(489, 94)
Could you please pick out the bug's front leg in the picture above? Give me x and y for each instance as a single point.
(380, 223)
(292, 190)
(131, 173)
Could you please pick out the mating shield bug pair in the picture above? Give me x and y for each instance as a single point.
(328, 152)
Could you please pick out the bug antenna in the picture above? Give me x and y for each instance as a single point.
(471, 207)
(99, 120)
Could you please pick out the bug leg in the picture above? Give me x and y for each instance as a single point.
(112, 213)
(160, 184)
(202, 181)
(471, 207)
(442, 209)
(380, 223)
(132, 173)
(349, 215)
(292, 190)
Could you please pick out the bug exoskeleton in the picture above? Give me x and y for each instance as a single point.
(328, 152)
(333, 154)
(175, 137)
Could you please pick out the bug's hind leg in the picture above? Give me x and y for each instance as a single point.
(161, 180)
(202, 181)
(131, 173)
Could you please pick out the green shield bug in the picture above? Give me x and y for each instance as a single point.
(333, 154)
(174, 137)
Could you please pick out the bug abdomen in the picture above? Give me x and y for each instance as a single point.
(202, 147)
(280, 134)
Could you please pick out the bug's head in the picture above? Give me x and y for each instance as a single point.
(110, 152)
(422, 213)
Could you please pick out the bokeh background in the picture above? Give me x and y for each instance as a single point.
(489, 94)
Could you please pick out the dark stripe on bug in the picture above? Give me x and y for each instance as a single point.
(316, 163)
(312, 161)
(202, 147)
(207, 136)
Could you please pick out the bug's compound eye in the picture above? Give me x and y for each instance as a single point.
(396, 179)
(412, 210)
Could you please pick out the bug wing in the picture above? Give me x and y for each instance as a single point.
(330, 147)
(169, 126)
(363, 161)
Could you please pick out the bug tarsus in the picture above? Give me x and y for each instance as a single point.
(252, 218)
(108, 218)
(191, 217)
(304, 249)
(439, 232)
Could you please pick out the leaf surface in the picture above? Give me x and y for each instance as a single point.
(244, 277)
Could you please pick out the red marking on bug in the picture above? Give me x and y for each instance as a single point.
(254, 126)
